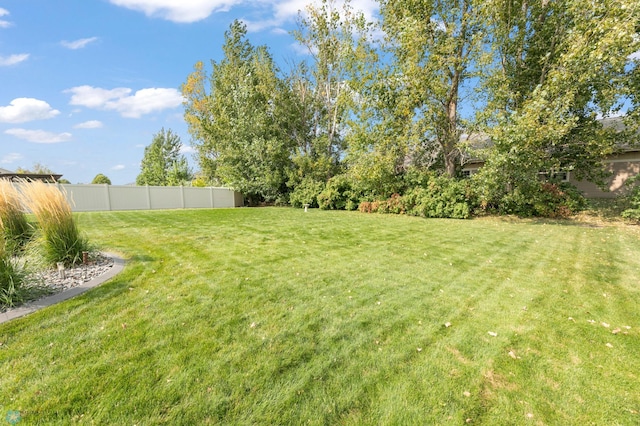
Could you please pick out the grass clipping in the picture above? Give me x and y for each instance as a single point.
(61, 239)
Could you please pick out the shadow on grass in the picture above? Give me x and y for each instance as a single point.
(143, 258)
(598, 214)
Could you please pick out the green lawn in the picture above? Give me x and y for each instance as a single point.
(276, 316)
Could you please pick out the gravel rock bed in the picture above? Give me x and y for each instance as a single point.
(76, 276)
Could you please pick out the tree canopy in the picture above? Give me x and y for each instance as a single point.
(37, 168)
(163, 164)
(372, 104)
(240, 125)
(101, 179)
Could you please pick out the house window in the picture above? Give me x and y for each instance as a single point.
(559, 176)
(555, 176)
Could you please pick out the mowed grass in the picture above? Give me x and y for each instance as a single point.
(276, 316)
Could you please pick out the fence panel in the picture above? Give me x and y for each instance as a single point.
(88, 197)
(195, 198)
(129, 198)
(165, 197)
(85, 198)
(223, 197)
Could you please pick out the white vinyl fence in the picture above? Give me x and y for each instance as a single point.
(84, 198)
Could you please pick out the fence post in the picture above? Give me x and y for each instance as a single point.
(108, 191)
(182, 195)
(148, 198)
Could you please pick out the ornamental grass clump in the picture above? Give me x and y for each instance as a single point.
(61, 239)
(12, 279)
(14, 228)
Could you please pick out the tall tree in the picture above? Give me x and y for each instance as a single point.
(240, 126)
(337, 41)
(559, 67)
(162, 164)
(438, 51)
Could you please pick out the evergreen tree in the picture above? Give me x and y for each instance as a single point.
(162, 164)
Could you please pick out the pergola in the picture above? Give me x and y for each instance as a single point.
(29, 177)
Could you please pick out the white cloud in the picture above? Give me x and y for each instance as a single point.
(38, 136)
(3, 23)
(91, 124)
(634, 56)
(144, 101)
(95, 97)
(21, 110)
(12, 157)
(281, 11)
(185, 149)
(118, 167)
(284, 11)
(177, 10)
(6, 61)
(78, 44)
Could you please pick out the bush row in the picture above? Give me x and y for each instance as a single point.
(435, 196)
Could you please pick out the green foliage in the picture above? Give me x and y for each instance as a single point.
(37, 168)
(543, 199)
(559, 65)
(634, 199)
(505, 186)
(200, 181)
(339, 194)
(306, 193)
(376, 112)
(63, 242)
(338, 41)
(438, 48)
(12, 279)
(393, 205)
(15, 230)
(241, 126)
(440, 197)
(162, 164)
(101, 179)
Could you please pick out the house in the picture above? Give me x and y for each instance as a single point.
(622, 165)
(15, 177)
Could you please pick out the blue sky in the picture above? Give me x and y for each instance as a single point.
(85, 84)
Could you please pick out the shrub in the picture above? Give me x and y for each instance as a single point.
(543, 199)
(306, 193)
(61, 240)
(339, 194)
(440, 197)
(394, 205)
(558, 200)
(634, 199)
(14, 228)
